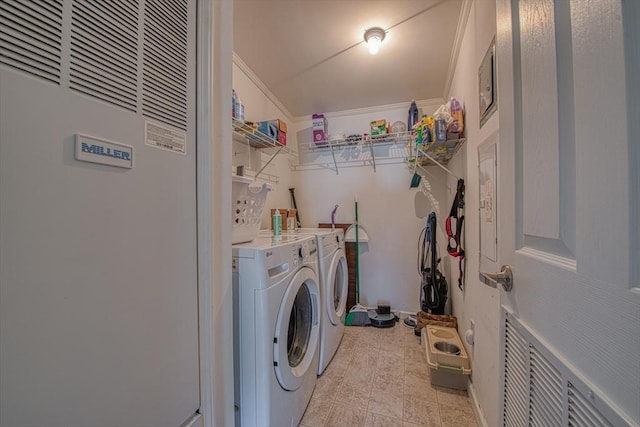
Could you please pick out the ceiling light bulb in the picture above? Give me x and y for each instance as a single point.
(374, 44)
(374, 37)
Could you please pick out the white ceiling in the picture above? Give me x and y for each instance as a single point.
(310, 53)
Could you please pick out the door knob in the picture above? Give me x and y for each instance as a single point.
(505, 278)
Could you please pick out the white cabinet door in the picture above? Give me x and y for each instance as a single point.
(568, 199)
(98, 264)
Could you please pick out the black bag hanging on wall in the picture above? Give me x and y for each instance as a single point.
(456, 240)
(433, 284)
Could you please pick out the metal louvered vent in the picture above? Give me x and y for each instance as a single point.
(164, 84)
(104, 51)
(582, 412)
(540, 390)
(516, 378)
(30, 34)
(546, 392)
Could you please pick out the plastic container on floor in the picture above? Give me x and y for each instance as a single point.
(448, 361)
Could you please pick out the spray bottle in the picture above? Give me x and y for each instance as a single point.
(413, 115)
(277, 223)
(234, 104)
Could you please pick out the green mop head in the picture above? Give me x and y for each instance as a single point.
(357, 316)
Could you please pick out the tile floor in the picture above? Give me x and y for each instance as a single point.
(379, 377)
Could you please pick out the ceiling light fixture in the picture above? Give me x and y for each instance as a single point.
(373, 37)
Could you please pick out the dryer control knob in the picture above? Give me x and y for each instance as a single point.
(302, 252)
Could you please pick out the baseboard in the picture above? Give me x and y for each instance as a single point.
(476, 406)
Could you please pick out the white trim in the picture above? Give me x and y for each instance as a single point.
(457, 43)
(197, 420)
(203, 136)
(259, 83)
(424, 104)
(477, 410)
(548, 258)
(213, 142)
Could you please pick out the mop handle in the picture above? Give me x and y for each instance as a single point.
(333, 217)
(357, 257)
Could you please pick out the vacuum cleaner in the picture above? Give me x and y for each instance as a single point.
(433, 286)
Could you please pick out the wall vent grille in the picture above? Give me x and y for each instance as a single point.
(541, 390)
(515, 378)
(104, 51)
(546, 391)
(582, 412)
(164, 81)
(30, 37)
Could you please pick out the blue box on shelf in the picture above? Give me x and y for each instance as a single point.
(269, 129)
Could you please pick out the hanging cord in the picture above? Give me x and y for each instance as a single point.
(456, 241)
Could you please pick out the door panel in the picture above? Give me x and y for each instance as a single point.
(540, 167)
(566, 193)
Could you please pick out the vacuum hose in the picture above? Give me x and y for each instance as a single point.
(433, 287)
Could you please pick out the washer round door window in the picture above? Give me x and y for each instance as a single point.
(296, 335)
(338, 287)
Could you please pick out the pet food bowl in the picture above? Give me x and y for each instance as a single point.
(448, 361)
(447, 347)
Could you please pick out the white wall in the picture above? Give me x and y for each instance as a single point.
(259, 107)
(388, 262)
(478, 302)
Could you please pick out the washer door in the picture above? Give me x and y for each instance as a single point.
(297, 329)
(337, 287)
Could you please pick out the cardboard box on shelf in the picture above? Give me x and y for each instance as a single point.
(282, 138)
(320, 128)
(281, 125)
(379, 128)
(281, 135)
(268, 129)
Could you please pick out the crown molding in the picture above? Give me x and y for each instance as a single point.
(457, 43)
(263, 88)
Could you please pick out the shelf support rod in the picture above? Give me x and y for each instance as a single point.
(267, 163)
(438, 163)
(373, 156)
(333, 154)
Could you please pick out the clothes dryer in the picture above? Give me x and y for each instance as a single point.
(334, 284)
(276, 298)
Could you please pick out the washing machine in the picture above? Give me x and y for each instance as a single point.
(276, 325)
(334, 285)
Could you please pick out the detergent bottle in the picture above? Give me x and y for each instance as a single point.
(413, 115)
(234, 104)
(458, 116)
(277, 223)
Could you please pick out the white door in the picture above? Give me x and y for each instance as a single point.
(98, 263)
(568, 203)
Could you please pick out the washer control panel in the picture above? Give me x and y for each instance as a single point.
(307, 249)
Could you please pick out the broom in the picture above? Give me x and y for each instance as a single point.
(358, 315)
